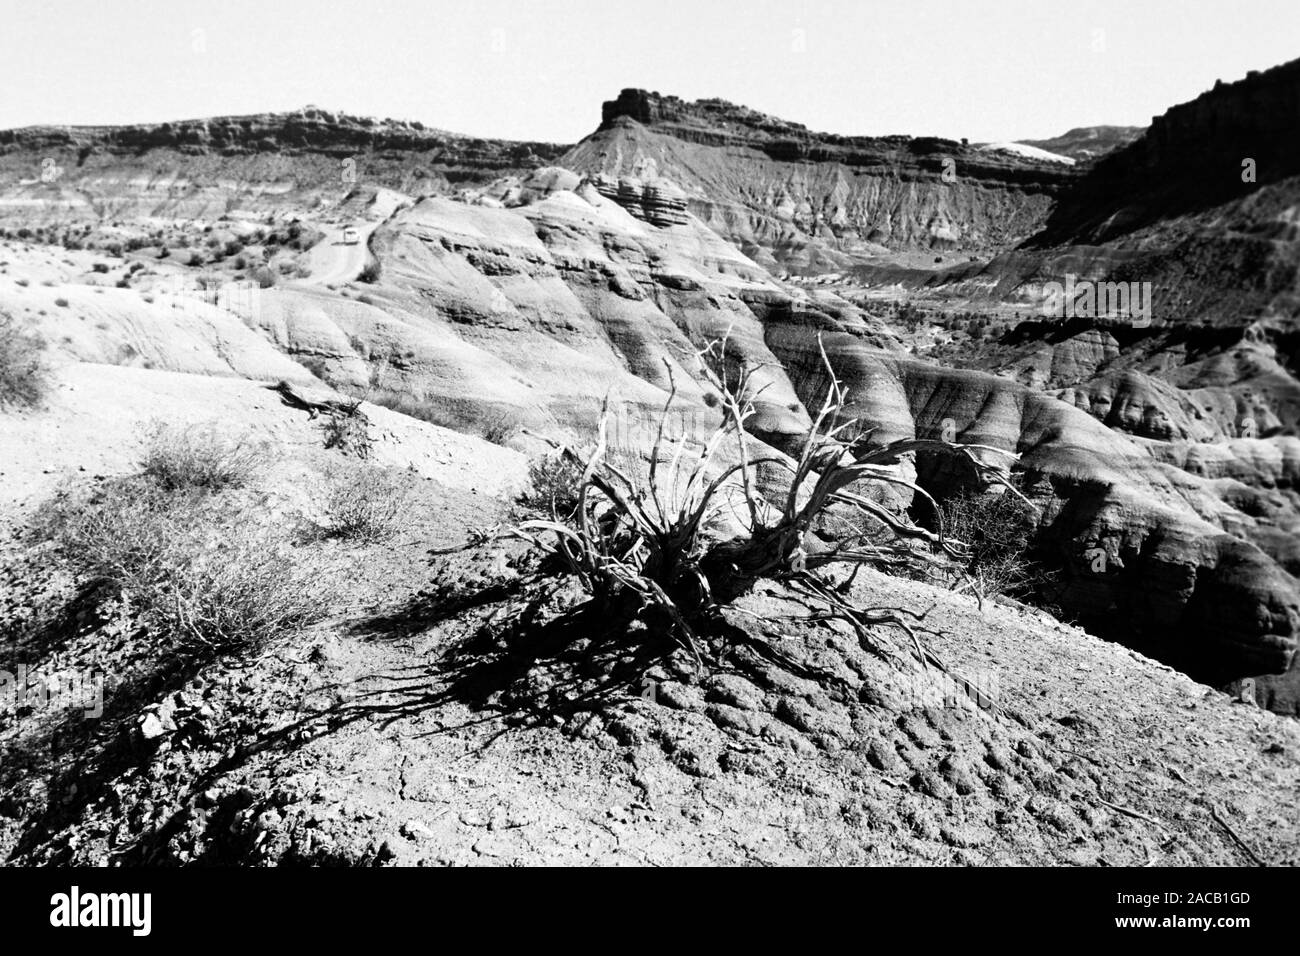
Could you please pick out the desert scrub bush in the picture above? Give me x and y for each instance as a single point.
(998, 531)
(180, 457)
(200, 573)
(552, 489)
(124, 532)
(348, 429)
(370, 273)
(500, 428)
(236, 596)
(364, 505)
(23, 375)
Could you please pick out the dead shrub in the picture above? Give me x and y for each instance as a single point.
(639, 548)
(998, 531)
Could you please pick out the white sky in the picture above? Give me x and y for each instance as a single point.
(539, 69)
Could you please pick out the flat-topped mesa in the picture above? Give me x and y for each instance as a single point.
(805, 202)
(718, 116)
(307, 130)
(717, 122)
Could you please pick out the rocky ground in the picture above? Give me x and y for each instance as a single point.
(446, 713)
(254, 276)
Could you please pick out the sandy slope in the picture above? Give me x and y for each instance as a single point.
(98, 414)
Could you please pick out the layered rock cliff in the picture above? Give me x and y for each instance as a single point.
(799, 201)
(202, 169)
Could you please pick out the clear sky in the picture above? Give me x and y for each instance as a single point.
(539, 69)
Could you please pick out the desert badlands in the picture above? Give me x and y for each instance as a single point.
(336, 480)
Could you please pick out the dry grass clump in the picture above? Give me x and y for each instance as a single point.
(364, 505)
(23, 375)
(179, 457)
(187, 554)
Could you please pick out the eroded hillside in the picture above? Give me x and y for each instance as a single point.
(481, 285)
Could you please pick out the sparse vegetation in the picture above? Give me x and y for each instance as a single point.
(197, 458)
(501, 428)
(998, 530)
(197, 571)
(416, 406)
(553, 482)
(348, 430)
(23, 375)
(364, 505)
(641, 550)
(314, 364)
